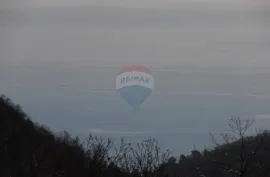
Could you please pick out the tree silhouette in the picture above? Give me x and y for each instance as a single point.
(28, 149)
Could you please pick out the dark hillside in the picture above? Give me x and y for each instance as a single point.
(30, 150)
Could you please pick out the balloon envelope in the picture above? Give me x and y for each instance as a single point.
(135, 83)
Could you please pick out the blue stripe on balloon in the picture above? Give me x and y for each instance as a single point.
(135, 95)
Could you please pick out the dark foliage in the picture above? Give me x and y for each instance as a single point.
(30, 150)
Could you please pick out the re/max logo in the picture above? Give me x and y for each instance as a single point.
(135, 78)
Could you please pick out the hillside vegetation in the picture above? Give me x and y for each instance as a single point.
(31, 150)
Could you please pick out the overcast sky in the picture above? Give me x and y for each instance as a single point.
(187, 36)
(126, 3)
(51, 62)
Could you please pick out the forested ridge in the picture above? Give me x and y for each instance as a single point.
(28, 149)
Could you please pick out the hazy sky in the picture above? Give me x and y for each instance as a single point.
(211, 34)
(126, 3)
(49, 61)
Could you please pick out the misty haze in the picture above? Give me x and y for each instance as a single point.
(209, 62)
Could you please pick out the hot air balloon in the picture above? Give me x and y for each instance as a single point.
(135, 83)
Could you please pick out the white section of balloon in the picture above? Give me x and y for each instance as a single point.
(135, 78)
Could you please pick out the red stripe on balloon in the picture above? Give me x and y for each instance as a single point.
(139, 68)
